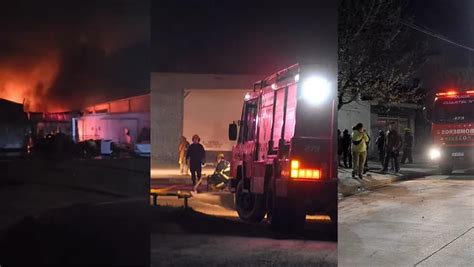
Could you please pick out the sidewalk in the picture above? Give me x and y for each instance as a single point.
(374, 178)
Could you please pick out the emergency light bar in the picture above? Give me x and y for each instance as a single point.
(297, 173)
(453, 93)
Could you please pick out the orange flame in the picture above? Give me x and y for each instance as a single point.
(30, 83)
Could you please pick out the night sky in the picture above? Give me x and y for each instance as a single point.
(251, 37)
(72, 53)
(455, 21)
(223, 37)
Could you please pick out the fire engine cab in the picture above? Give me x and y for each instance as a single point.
(452, 130)
(284, 164)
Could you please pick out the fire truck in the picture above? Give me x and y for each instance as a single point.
(284, 164)
(452, 119)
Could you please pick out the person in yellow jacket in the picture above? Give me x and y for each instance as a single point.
(359, 149)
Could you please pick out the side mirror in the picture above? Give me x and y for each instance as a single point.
(233, 131)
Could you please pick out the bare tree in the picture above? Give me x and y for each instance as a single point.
(377, 54)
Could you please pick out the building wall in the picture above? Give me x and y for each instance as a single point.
(110, 126)
(208, 114)
(167, 106)
(351, 114)
(131, 104)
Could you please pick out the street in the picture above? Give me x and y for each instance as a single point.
(210, 233)
(423, 222)
(70, 211)
(182, 238)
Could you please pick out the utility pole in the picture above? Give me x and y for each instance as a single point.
(470, 54)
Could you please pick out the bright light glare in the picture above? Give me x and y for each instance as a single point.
(316, 89)
(297, 77)
(434, 153)
(247, 96)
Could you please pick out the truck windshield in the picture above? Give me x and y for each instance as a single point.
(454, 110)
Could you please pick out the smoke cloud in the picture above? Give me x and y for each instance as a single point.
(64, 55)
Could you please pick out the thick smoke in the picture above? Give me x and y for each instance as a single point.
(63, 55)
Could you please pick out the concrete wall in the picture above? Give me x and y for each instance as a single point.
(351, 114)
(208, 114)
(167, 107)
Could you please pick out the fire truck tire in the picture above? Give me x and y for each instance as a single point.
(446, 169)
(250, 207)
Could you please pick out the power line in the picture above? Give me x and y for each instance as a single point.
(433, 34)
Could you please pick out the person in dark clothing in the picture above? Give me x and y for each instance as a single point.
(339, 147)
(346, 148)
(392, 150)
(407, 146)
(196, 155)
(380, 142)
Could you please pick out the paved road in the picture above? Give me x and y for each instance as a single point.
(181, 238)
(423, 222)
(74, 212)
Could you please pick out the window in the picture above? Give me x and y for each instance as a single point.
(249, 122)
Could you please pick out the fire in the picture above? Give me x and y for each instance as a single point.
(30, 83)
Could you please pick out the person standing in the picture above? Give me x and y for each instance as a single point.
(196, 156)
(359, 149)
(366, 166)
(339, 147)
(346, 149)
(407, 146)
(392, 149)
(380, 142)
(182, 149)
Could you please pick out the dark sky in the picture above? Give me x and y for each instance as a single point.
(70, 53)
(254, 37)
(210, 36)
(452, 67)
(452, 19)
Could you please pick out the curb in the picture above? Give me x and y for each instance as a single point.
(354, 189)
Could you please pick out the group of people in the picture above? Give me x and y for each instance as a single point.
(353, 149)
(191, 157)
(389, 145)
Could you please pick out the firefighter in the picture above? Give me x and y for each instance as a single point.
(182, 149)
(221, 175)
(407, 146)
(346, 149)
(380, 142)
(359, 149)
(196, 156)
(392, 150)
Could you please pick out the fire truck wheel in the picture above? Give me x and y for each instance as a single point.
(446, 169)
(250, 207)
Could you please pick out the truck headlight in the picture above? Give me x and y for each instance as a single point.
(316, 89)
(434, 153)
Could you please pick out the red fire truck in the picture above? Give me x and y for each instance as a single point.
(284, 164)
(452, 129)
